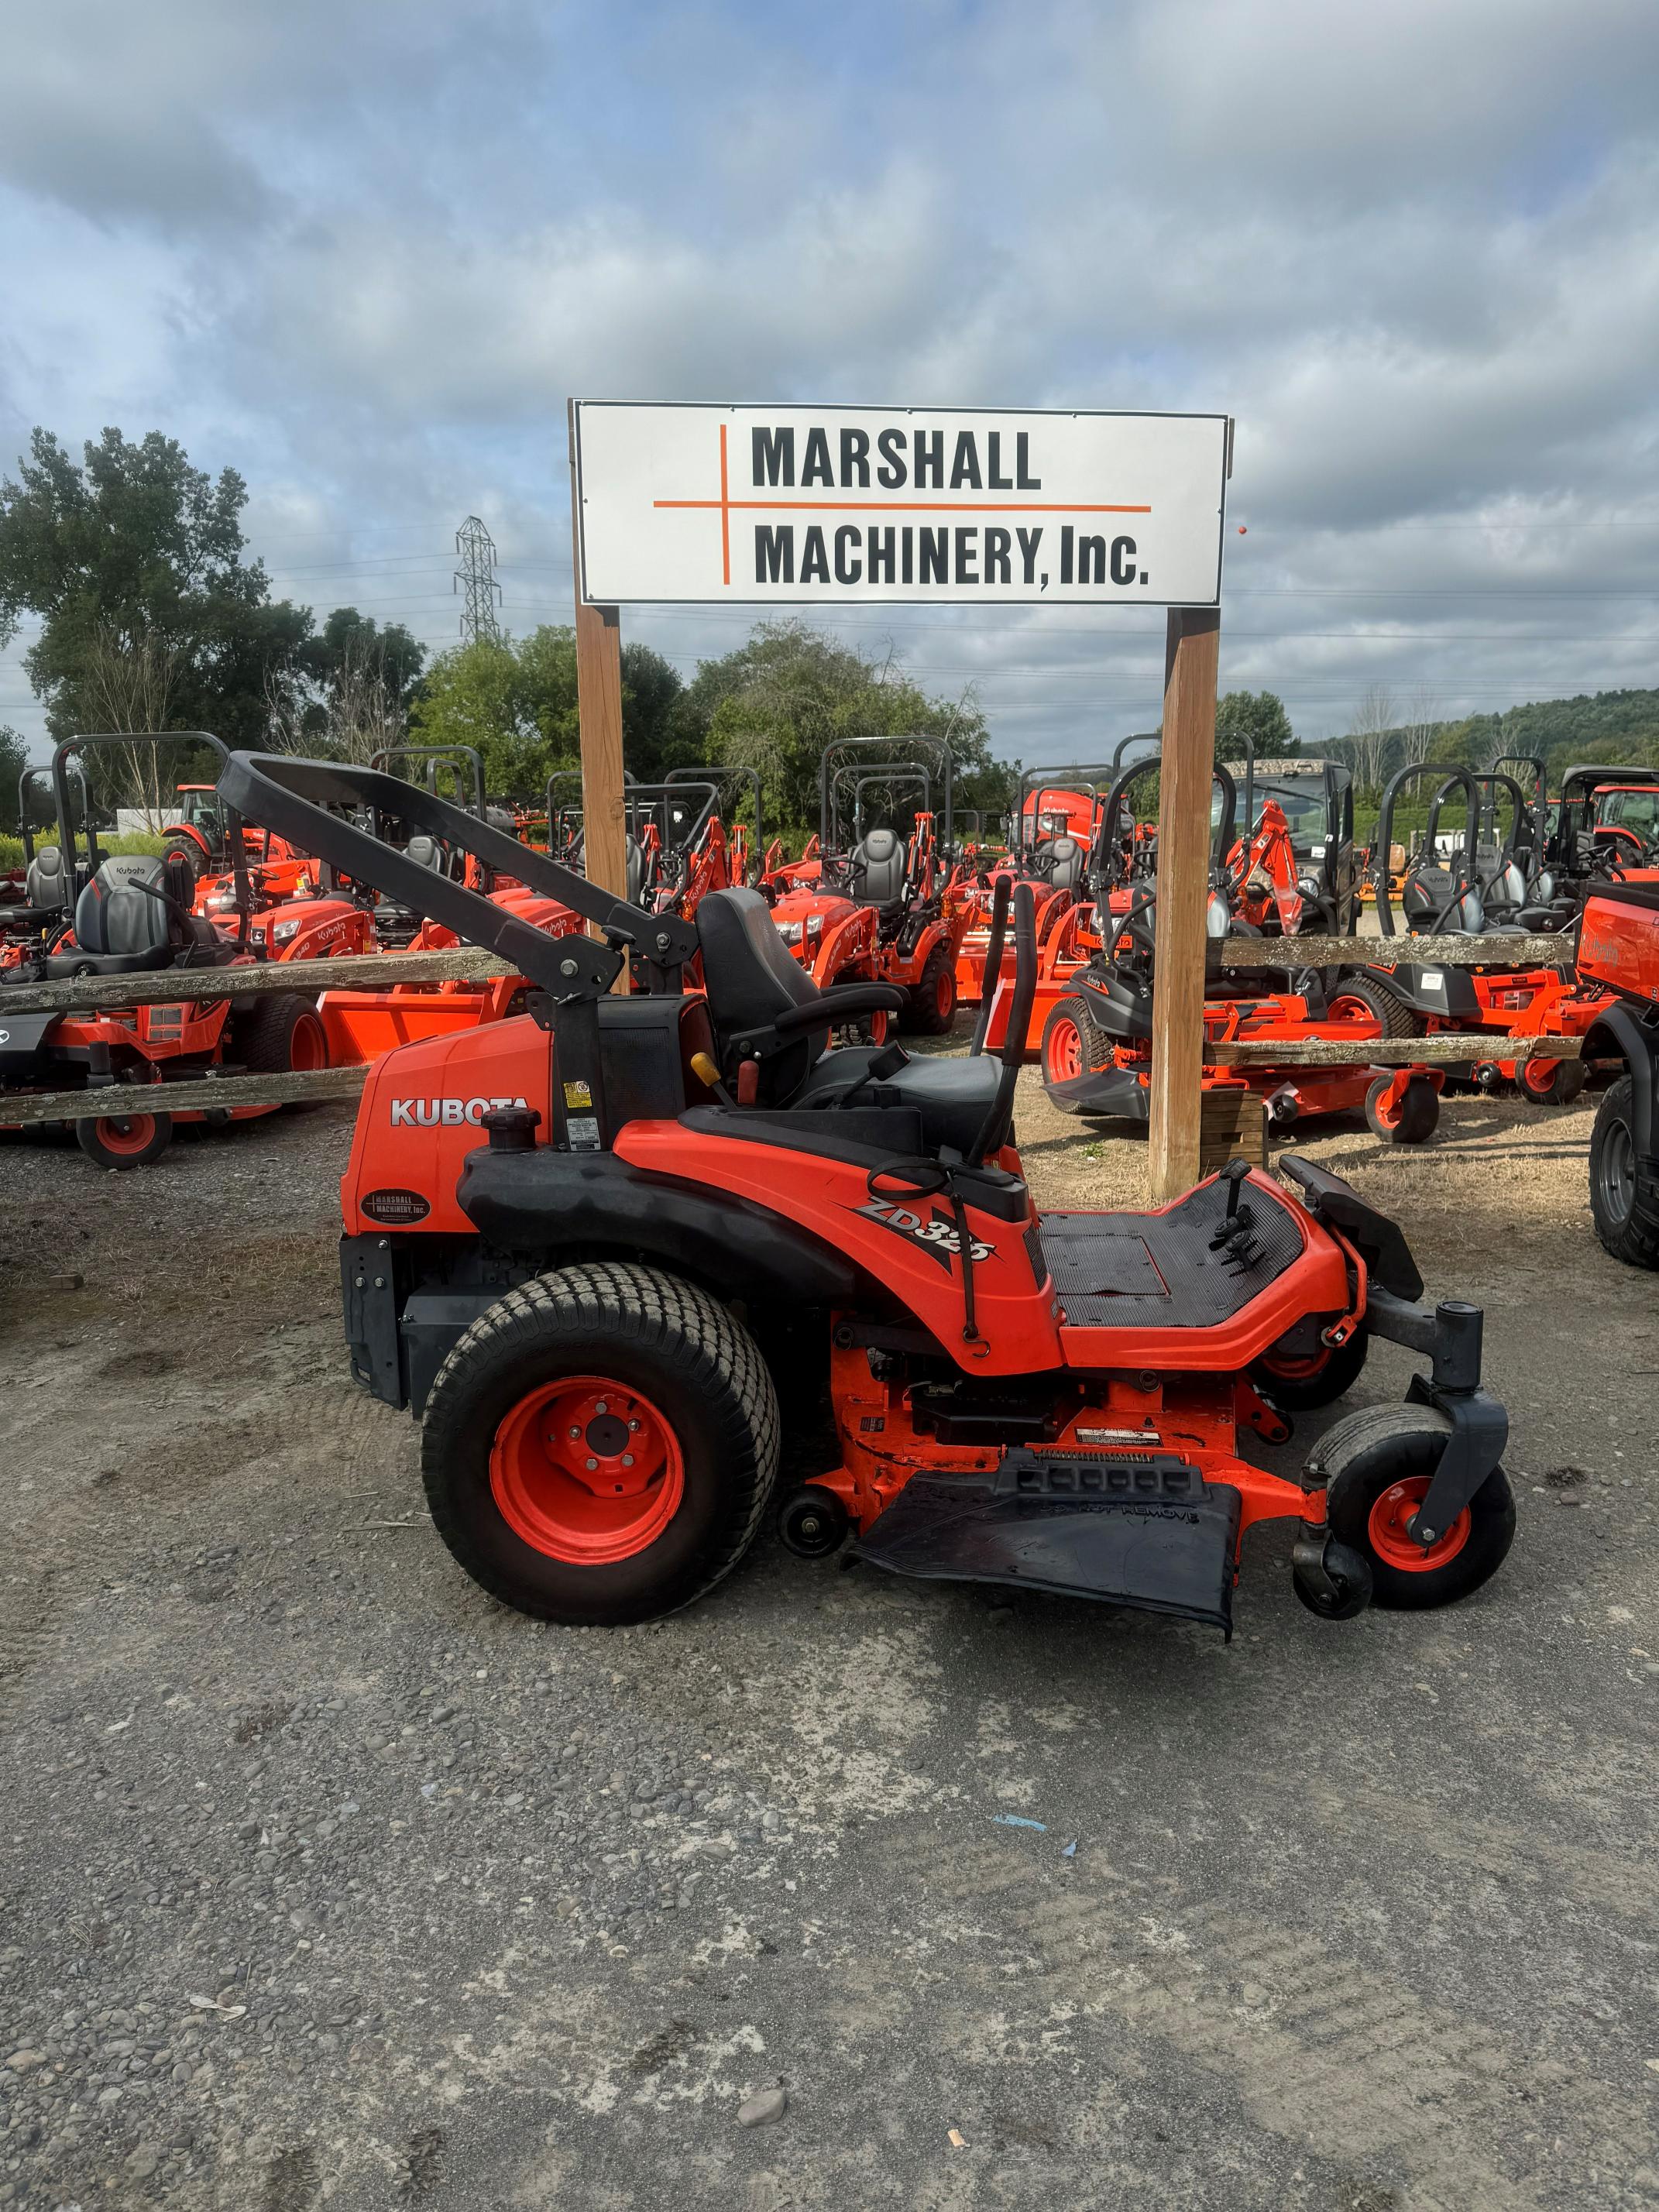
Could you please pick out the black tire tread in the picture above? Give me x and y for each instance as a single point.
(261, 1037)
(660, 1308)
(1635, 1242)
(1395, 1016)
(1356, 1434)
(921, 1015)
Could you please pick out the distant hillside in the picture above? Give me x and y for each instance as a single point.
(1618, 727)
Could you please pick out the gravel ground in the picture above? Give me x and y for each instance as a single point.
(326, 1880)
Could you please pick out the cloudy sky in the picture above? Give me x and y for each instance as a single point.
(363, 250)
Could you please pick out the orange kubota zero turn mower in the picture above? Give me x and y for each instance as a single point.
(594, 1275)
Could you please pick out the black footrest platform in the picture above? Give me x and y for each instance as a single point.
(1140, 1529)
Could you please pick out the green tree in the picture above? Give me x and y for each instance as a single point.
(1260, 717)
(774, 704)
(14, 759)
(150, 617)
(514, 700)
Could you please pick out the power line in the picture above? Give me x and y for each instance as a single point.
(476, 577)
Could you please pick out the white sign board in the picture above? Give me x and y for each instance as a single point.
(931, 505)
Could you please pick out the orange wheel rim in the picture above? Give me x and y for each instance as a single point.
(307, 1047)
(1065, 1051)
(586, 1471)
(1389, 1115)
(125, 1133)
(944, 992)
(1346, 1007)
(1387, 1529)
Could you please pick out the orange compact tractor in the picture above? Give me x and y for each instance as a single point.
(587, 1266)
(133, 917)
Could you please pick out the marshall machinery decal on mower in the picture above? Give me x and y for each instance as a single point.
(938, 1237)
(447, 1113)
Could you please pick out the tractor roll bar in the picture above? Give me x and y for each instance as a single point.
(234, 839)
(939, 747)
(1222, 837)
(1040, 782)
(293, 797)
(1486, 782)
(722, 776)
(1002, 890)
(1450, 775)
(41, 772)
(457, 756)
(896, 776)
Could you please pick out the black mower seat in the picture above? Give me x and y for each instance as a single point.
(750, 979)
(120, 930)
(953, 1097)
(46, 885)
(636, 865)
(1158, 1270)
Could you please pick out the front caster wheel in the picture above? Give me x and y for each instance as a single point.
(125, 1140)
(1378, 1465)
(812, 1521)
(1409, 1117)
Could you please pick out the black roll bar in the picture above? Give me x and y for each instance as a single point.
(41, 772)
(293, 798)
(1463, 879)
(237, 851)
(938, 746)
(457, 756)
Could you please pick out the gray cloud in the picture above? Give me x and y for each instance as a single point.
(365, 249)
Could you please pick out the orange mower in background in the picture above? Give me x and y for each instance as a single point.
(1487, 887)
(1095, 1048)
(132, 916)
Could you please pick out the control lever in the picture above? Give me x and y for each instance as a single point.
(1236, 1235)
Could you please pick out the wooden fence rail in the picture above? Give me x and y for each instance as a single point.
(167, 986)
(1448, 1049)
(1389, 952)
(315, 1087)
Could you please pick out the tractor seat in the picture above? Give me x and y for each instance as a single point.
(877, 869)
(749, 979)
(1063, 861)
(425, 852)
(635, 877)
(46, 885)
(120, 930)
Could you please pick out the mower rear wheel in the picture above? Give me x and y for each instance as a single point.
(1361, 994)
(125, 1140)
(1379, 1464)
(1296, 1380)
(283, 1034)
(1073, 1043)
(1413, 1118)
(1551, 1082)
(932, 1006)
(600, 1445)
(1624, 1191)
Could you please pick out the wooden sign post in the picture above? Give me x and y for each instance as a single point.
(598, 704)
(1191, 658)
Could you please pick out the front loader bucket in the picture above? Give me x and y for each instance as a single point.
(1144, 1531)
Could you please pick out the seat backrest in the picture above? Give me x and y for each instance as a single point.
(425, 852)
(47, 881)
(112, 917)
(878, 868)
(1067, 860)
(635, 878)
(749, 979)
(1469, 914)
(1507, 888)
(1425, 890)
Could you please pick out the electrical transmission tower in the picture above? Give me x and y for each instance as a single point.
(475, 576)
